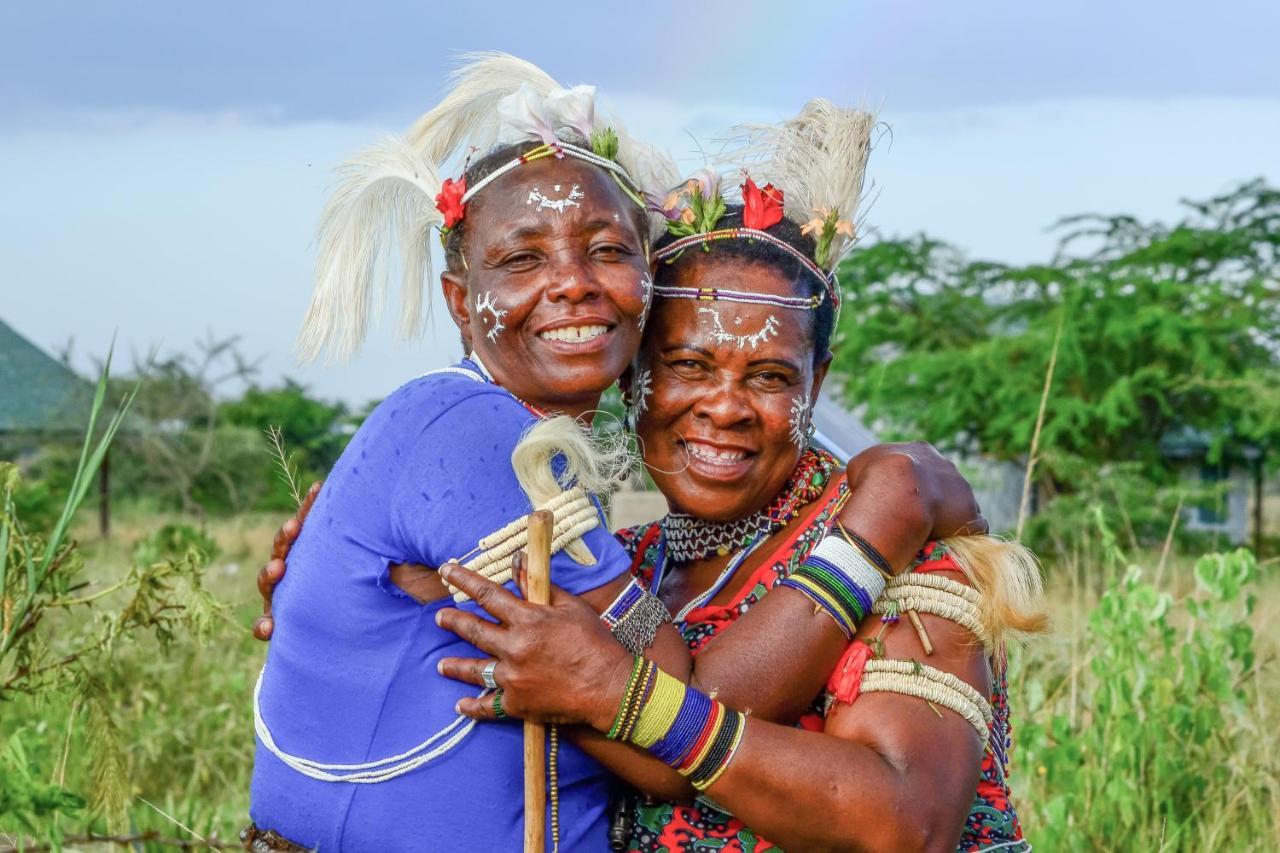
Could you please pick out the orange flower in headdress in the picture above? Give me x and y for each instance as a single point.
(761, 206)
(449, 201)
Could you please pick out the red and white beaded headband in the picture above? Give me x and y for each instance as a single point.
(560, 149)
(454, 195)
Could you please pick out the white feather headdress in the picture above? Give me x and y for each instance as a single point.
(819, 160)
(386, 195)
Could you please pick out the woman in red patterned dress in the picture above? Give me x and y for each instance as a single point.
(888, 772)
(732, 358)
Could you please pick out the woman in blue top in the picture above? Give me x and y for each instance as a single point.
(549, 292)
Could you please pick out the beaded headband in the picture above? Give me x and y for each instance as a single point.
(561, 149)
(718, 294)
(828, 280)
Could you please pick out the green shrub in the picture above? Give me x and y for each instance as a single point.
(1163, 748)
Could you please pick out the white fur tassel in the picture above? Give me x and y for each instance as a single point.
(597, 464)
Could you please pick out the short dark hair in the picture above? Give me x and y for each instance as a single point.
(491, 162)
(766, 254)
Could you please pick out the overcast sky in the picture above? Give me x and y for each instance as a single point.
(162, 164)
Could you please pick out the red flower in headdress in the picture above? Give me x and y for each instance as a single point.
(761, 206)
(449, 201)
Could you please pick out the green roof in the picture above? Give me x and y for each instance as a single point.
(38, 393)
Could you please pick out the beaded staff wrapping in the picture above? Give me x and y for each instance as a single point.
(574, 515)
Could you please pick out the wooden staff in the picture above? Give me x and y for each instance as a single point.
(537, 591)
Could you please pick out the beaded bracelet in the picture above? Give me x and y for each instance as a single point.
(869, 551)
(840, 579)
(635, 616)
(639, 686)
(683, 727)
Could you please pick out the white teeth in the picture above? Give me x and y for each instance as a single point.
(708, 453)
(574, 333)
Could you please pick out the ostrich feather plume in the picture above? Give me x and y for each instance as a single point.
(819, 160)
(386, 195)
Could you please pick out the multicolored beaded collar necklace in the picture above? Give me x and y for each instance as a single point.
(686, 538)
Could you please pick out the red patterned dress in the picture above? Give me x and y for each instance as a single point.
(661, 827)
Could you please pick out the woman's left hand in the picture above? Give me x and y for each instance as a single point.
(558, 662)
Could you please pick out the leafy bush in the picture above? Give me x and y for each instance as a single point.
(1159, 744)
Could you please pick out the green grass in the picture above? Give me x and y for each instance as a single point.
(1138, 729)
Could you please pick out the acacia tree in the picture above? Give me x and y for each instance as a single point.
(1163, 330)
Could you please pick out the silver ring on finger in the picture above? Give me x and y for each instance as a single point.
(486, 673)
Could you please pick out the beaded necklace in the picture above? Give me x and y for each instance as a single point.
(475, 365)
(686, 538)
(805, 485)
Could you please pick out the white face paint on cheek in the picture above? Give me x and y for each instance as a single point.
(637, 397)
(559, 202)
(721, 335)
(646, 294)
(801, 416)
(642, 387)
(486, 306)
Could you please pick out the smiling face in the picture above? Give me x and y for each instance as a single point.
(553, 290)
(729, 389)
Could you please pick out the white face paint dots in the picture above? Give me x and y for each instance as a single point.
(486, 305)
(801, 418)
(721, 335)
(546, 202)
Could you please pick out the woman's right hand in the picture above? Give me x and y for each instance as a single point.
(273, 572)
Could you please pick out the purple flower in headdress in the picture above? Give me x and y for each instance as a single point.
(669, 207)
(707, 180)
(678, 204)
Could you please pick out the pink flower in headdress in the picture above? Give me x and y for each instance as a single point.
(678, 205)
(827, 218)
(669, 207)
(449, 200)
(526, 112)
(575, 108)
(761, 206)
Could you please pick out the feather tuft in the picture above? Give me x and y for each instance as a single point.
(818, 159)
(386, 194)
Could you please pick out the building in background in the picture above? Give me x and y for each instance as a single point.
(42, 401)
